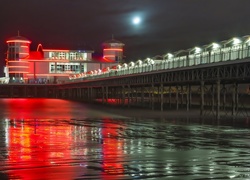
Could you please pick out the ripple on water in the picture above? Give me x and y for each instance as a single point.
(94, 148)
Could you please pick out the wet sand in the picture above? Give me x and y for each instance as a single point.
(241, 119)
(146, 113)
(85, 141)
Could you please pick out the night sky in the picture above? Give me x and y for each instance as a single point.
(166, 25)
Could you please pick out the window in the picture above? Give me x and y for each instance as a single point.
(72, 56)
(62, 55)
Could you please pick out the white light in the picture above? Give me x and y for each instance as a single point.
(136, 20)
(170, 55)
(197, 50)
(216, 46)
(236, 41)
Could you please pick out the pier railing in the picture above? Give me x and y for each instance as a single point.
(231, 50)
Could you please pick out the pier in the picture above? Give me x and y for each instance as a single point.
(214, 79)
(216, 88)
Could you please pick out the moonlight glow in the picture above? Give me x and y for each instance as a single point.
(136, 20)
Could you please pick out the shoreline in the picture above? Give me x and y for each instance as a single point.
(173, 116)
(141, 112)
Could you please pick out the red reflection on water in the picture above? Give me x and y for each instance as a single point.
(38, 149)
(113, 155)
(37, 108)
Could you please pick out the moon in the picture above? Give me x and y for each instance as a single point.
(136, 20)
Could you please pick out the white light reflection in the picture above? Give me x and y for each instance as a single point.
(6, 132)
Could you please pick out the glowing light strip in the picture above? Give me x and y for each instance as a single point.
(113, 49)
(22, 41)
(62, 74)
(39, 46)
(33, 60)
(18, 72)
(56, 50)
(25, 46)
(23, 53)
(18, 66)
(18, 61)
(109, 56)
(108, 60)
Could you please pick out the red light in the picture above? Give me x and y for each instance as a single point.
(108, 56)
(108, 60)
(47, 60)
(56, 50)
(21, 41)
(111, 148)
(18, 66)
(19, 61)
(17, 72)
(113, 49)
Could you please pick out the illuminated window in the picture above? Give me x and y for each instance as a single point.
(81, 56)
(62, 55)
(72, 55)
(82, 68)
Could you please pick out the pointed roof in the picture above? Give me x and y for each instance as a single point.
(112, 41)
(18, 37)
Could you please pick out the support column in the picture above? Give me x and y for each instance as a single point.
(80, 93)
(123, 95)
(177, 98)
(11, 93)
(218, 99)
(162, 89)
(142, 95)
(128, 93)
(153, 99)
(88, 93)
(158, 95)
(25, 92)
(107, 95)
(237, 97)
(35, 93)
(182, 96)
(213, 103)
(136, 96)
(233, 100)
(132, 96)
(188, 96)
(202, 99)
(91, 94)
(169, 91)
(224, 97)
(103, 93)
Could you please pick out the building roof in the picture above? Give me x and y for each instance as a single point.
(18, 38)
(112, 41)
